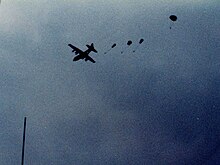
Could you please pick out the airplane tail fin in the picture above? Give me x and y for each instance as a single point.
(91, 47)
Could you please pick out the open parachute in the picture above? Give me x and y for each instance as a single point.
(114, 45)
(173, 18)
(129, 43)
(140, 42)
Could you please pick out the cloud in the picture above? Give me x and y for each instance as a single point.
(157, 105)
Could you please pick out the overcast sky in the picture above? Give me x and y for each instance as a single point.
(159, 105)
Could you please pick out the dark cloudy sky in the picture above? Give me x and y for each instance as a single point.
(159, 105)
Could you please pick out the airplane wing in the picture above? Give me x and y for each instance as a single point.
(90, 59)
(75, 49)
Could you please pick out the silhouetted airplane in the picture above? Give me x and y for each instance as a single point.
(83, 55)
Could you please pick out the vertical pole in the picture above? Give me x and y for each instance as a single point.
(22, 160)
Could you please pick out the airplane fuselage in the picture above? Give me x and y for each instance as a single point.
(83, 54)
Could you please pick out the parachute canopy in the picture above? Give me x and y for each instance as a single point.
(129, 42)
(113, 45)
(173, 17)
(141, 40)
